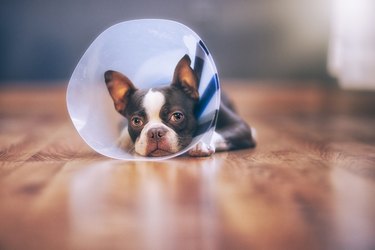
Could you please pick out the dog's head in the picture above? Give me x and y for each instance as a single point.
(161, 121)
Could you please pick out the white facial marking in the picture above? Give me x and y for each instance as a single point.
(153, 102)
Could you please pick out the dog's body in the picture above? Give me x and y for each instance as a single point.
(161, 121)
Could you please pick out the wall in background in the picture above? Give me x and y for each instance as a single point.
(43, 40)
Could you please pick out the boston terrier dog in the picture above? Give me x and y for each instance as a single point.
(161, 120)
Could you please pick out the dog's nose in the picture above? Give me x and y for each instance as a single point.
(156, 134)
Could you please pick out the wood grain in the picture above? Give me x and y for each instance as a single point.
(309, 184)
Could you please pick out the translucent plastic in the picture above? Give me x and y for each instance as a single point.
(146, 51)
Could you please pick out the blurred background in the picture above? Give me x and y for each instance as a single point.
(42, 41)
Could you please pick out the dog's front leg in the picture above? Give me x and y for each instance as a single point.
(231, 133)
(203, 149)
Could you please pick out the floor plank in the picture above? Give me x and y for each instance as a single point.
(309, 183)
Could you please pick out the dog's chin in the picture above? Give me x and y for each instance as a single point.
(159, 150)
(159, 153)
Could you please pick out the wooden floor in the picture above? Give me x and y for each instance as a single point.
(310, 183)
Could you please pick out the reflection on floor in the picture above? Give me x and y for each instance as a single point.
(309, 184)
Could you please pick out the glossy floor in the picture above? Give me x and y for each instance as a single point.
(309, 184)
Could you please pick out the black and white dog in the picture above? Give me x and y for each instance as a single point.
(161, 121)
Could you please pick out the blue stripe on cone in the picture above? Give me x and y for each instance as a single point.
(209, 92)
(199, 62)
(209, 123)
(198, 67)
(204, 47)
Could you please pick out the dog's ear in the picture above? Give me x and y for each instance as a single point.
(185, 78)
(120, 88)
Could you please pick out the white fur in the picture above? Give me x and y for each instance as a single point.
(218, 142)
(254, 134)
(202, 149)
(124, 141)
(153, 102)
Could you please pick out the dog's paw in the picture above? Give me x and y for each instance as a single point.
(201, 150)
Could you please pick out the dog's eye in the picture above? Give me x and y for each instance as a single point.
(136, 121)
(177, 117)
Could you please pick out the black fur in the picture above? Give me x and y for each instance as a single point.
(232, 127)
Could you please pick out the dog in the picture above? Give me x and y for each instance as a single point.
(161, 121)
